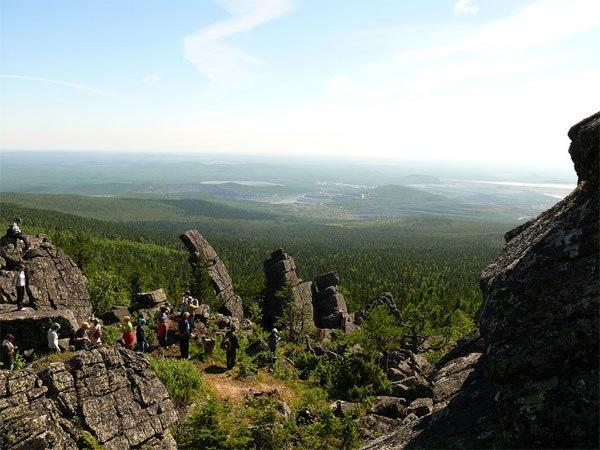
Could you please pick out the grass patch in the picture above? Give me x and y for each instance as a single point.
(181, 378)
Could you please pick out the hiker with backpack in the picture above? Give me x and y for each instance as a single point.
(230, 344)
(140, 336)
(53, 338)
(15, 231)
(185, 332)
(272, 342)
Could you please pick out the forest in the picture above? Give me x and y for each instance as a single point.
(430, 265)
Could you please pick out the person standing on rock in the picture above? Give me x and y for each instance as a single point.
(95, 332)
(9, 352)
(53, 338)
(185, 331)
(15, 231)
(20, 284)
(81, 339)
(230, 344)
(272, 342)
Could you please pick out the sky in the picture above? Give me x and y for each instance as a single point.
(447, 80)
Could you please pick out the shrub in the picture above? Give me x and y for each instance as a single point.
(212, 426)
(107, 289)
(180, 377)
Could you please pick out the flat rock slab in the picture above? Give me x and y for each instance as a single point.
(30, 327)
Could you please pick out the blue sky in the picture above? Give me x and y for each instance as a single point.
(446, 80)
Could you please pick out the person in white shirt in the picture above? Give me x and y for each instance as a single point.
(15, 231)
(19, 282)
(53, 338)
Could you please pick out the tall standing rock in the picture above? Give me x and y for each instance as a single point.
(541, 312)
(54, 280)
(280, 274)
(329, 303)
(203, 256)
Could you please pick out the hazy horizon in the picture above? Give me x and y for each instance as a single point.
(454, 80)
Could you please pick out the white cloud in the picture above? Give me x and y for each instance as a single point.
(150, 79)
(463, 7)
(80, 87)
(338, 85)
(540, 23)
(217, 60)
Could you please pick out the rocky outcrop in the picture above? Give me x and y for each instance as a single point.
(30, 327)
(280, 274)
(109, 393)
(454, 409)
(541, 312)
(204, 257)
(529, 377)
(54, 280)
(329, 304)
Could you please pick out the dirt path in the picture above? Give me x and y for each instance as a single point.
(227, 386)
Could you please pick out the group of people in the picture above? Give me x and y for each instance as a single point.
(89, 334)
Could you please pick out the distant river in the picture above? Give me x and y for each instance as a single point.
(243, 183)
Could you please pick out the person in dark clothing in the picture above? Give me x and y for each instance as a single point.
(81, 339)
(20, 283)
(230, 345)
(272, 341)
(185, 331)
(140, 336)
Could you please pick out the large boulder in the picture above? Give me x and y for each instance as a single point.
(204, 257)
(30, 327)
(54, 280)
(110, 393)
(529, 377)
(541, 311)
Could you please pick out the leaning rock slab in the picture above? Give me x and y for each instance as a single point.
(203, 256)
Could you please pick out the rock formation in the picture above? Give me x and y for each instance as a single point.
(541, 311)
(530, 379)
(55, 281)
(280, 273)
(109, 393)
(203, 256)
(320, 299)
(329, 304)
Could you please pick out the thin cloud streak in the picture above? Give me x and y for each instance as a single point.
(216, 60)
(77, 86)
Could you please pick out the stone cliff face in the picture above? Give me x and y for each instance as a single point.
(55, 281)
(203, 256)
(531, 379)
(540, 315)
(109, 393)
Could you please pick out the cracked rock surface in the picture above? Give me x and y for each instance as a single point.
(108, 392)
